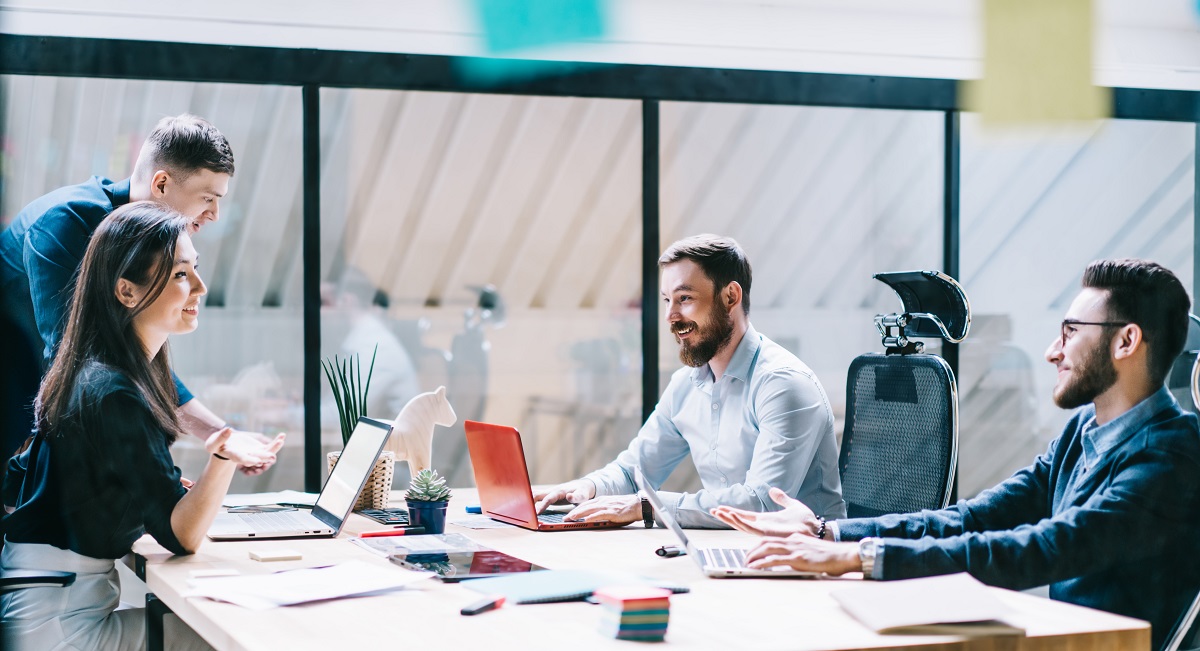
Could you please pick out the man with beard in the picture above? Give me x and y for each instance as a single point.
(748, 412)
(1107, 515)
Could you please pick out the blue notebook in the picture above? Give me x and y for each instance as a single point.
(558, 585)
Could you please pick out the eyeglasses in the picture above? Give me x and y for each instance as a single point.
(1068, 326)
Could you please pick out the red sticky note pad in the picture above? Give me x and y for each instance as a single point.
(634, 597)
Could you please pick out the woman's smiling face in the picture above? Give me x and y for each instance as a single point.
(176, 310)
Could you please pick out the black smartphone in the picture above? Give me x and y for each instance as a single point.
(461, 566)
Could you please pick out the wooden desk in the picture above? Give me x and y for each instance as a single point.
(717, 614)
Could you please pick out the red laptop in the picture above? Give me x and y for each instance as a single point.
(503, 480)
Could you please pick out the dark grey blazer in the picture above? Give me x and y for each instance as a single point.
(1119, 536)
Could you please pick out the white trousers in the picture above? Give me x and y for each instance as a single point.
(83, 616)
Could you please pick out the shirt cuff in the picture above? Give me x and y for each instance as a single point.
(831, 528)
(880, 554)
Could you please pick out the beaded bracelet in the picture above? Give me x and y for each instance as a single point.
(821, 529)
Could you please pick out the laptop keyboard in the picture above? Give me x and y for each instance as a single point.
(386, 516)
(726, 558)
(271, 522)
(551, 518)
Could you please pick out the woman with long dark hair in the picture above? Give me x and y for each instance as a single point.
(99, 472)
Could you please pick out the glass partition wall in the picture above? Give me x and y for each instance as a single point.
(820, 199)
(490, 244)
(1037, 207)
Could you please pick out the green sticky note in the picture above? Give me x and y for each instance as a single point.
(1037, 64)
(510, 25)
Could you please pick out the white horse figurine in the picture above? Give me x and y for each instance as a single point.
(412, 435)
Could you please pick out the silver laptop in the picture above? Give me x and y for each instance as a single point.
(333, 505)
(717, 562)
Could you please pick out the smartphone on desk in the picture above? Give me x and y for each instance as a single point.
(452, 567)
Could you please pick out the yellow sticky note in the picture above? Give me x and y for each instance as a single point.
(1037, 64)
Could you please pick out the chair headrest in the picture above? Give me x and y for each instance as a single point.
(936, 305)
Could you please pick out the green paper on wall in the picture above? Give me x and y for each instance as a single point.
(520, 24)
(1037, 64)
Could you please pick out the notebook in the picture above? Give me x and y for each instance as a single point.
(503, 480)
(333, 504)
(952, 604)
(716, 562)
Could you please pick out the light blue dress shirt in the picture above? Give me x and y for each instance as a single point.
(766, 422)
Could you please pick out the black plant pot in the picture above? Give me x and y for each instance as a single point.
(431, 515)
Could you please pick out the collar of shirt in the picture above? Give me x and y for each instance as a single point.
(739, 364)
(1098, 440)
(119, 193)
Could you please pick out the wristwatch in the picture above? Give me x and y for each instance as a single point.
(647, 512)
(868, 548)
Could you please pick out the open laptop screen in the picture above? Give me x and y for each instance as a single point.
(353, 468)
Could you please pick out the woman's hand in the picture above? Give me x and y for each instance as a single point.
(244, 451)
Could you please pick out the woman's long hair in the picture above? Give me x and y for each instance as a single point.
(136, 242)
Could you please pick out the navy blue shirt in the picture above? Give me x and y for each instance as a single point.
(1108, 516)
(102, 480)
(40, 253)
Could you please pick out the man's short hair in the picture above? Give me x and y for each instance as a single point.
(183, 145)
(721, 259)
(1148, 294)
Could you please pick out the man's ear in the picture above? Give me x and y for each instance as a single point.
(1128, 341)
(128, 293)
(158, 184)
(732, 295)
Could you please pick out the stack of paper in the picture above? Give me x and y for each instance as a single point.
(263, 591)
(634, 612)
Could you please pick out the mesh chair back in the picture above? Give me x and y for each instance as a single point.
(900, 445)
(1185, 372)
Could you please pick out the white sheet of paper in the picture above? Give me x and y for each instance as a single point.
(262, 499)
(263, 591)
(432, 544)
(475, 521)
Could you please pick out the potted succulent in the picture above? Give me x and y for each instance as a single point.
(427, 499)
(350, 393)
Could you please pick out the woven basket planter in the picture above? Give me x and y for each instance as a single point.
(377, 492)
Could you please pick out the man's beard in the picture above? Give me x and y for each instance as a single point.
(1091, 377)
(709, 340)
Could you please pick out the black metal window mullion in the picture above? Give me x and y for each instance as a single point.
(950, 232)
(311, 257)
(650, 244)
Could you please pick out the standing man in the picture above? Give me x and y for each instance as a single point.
(748, 412)
(185, 163)
(1108, 515)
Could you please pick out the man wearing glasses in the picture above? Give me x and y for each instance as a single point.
(1109, 515)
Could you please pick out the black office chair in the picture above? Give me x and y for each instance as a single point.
(900, 446)
(1186, 634)
(19, 579)
(1181, 380)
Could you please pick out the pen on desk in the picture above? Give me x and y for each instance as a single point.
(483, 605)
(404, 531)
(670, 551)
